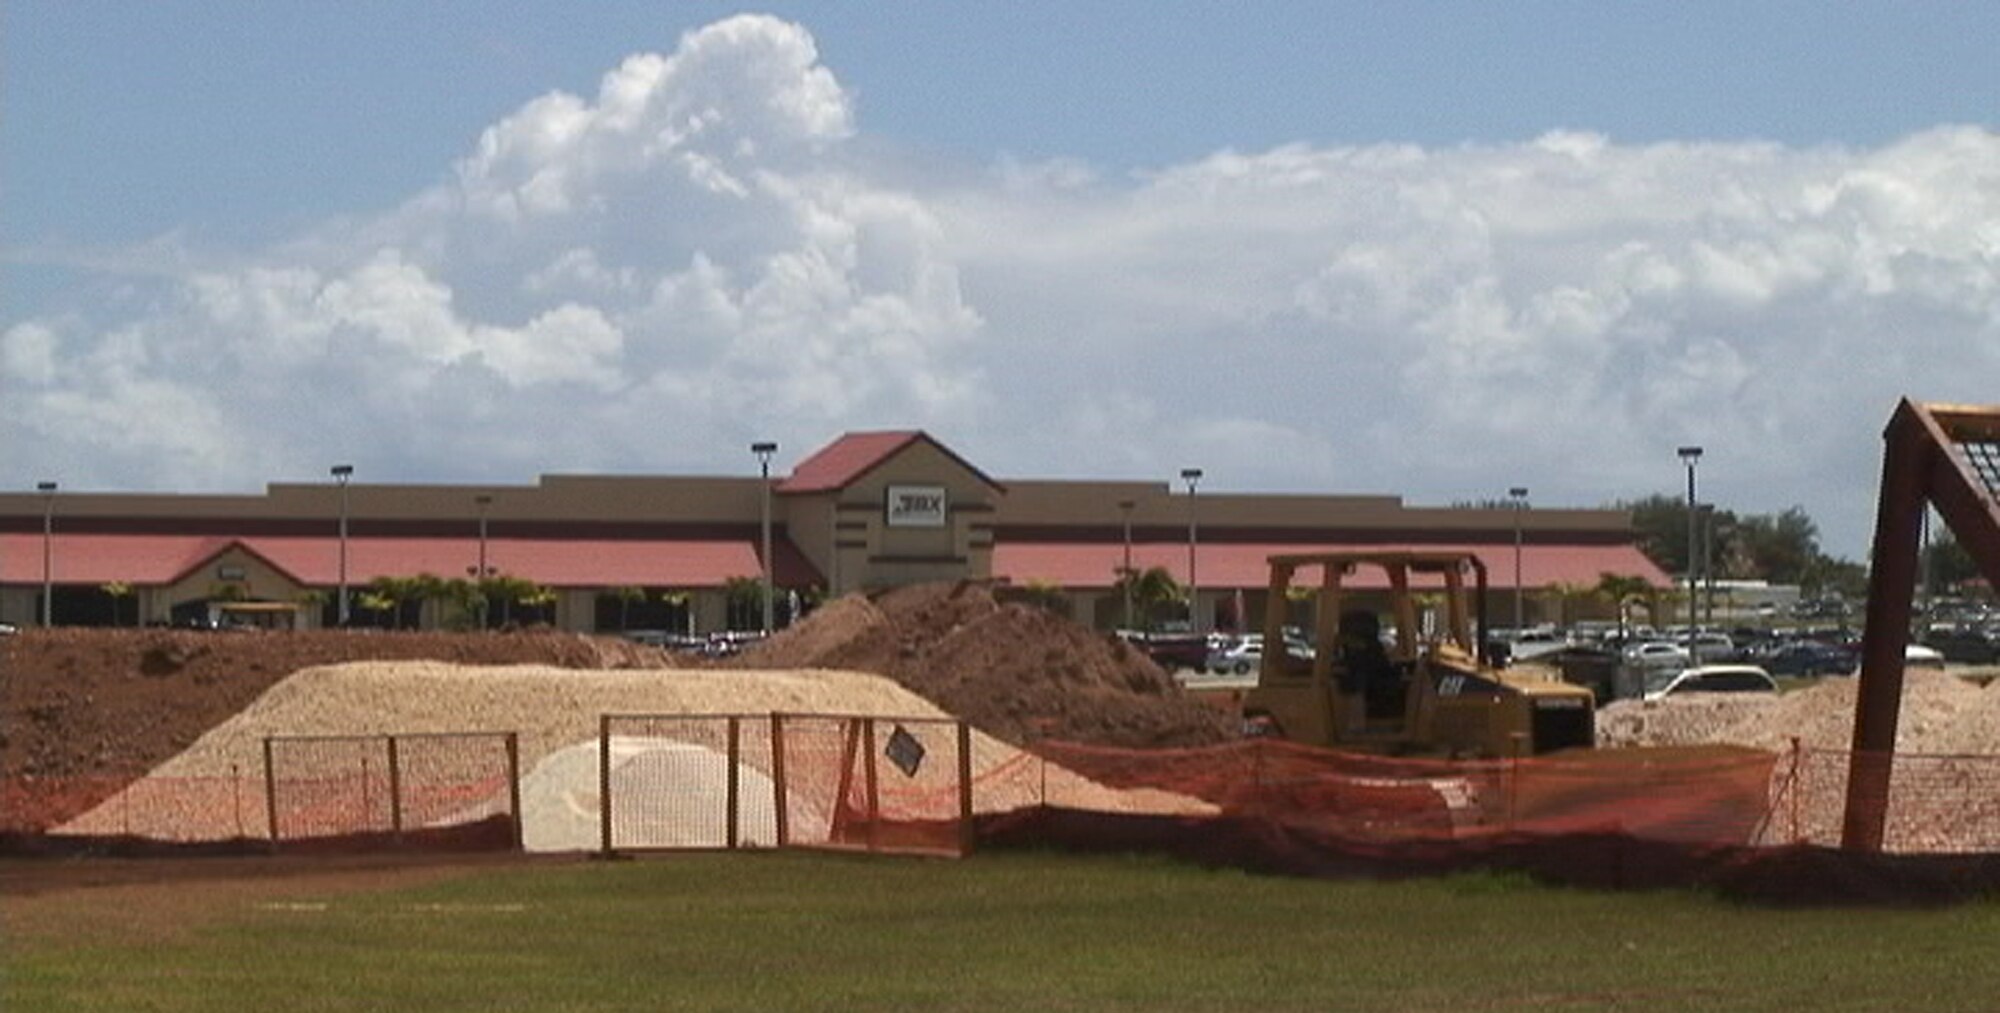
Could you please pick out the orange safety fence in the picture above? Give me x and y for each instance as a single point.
(308, 788)
(1938, 804)
(678, 781)
(930, 785)
(1704, 794)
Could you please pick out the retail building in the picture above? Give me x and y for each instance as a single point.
(600, 552)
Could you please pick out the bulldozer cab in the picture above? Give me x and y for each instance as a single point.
(1394, 665)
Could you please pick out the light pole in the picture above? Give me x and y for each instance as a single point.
(1689, 457)
(1192, 476)
(1519, 494)
(1125, 512)
(1708, 564)
(483, 502)
(481, 571)
(341, 473)
(48, 491)
(764, 449)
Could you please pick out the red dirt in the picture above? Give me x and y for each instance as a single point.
(1015, 671)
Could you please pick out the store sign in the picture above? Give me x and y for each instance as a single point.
(916, 506)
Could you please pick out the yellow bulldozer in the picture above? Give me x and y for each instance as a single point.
(1416, 685)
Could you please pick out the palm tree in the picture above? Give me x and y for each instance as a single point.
(118, 591)
(541, 599)
(677, 601)
(468, 601)
(1621, 589)
(427, 587)
(1047, 595)
(1151, 589)
(1564, 592)
(626, 596)
(511, 591)
(745, 598)
(388, 594)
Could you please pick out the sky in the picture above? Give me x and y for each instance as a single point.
(1436, 250)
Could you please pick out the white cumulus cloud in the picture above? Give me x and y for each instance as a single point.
(700, 253)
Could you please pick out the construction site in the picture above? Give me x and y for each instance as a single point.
(952, 716)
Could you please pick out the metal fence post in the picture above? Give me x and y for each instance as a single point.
(604, 782)
(395, 791)
(871, 783)
(514, 787)
(270, 793)
(1799, 785)
(729, 834)
(778, 802)
(966, 837)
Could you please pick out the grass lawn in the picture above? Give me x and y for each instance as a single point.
(1016, 932)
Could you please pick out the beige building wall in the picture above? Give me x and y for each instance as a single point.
(871, 550)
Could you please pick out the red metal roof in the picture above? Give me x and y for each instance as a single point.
(101, 559)
(840, 463)
(147, 560)
(1246, 565)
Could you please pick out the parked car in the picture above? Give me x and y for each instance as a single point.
(1657, 654)
(1962, 644)
(728, 644)
(1713, 646)
(1247, 655)
(1173, 651)
(1529, 644)
(1807, 658)
(1717, 679)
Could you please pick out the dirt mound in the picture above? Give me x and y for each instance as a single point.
(77, 702)
(1015, 671)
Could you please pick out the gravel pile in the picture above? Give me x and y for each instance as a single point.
(556, 711)
(1944, 792)
(1941, 713)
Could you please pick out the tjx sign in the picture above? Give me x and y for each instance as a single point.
(916, 506)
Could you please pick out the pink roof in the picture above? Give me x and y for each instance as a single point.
(841, 463)
(315, 560)
(1246, 565)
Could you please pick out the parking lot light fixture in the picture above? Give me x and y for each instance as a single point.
(341, 473)
(1125, 514)
(48, 491)
(484, 503)
(764, 449)
(1519, 495)
(1192, 476)
(1690, 456)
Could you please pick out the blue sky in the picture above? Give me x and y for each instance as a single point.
(1434, 249)
(124, 121)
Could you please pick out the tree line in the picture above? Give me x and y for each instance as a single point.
(1782, 548)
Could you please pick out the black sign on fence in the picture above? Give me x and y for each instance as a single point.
(904, 751)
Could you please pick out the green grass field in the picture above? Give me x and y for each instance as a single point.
(1002, 932)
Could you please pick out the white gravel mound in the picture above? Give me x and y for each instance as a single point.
(556, 712)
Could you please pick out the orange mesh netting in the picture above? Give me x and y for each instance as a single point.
(1705, 794)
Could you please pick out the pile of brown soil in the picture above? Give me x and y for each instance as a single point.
(1017, 672)
(97, 702)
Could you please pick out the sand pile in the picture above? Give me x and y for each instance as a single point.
(556, 713)
(1015, 671)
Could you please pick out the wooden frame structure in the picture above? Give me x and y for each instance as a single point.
(1945, 457)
